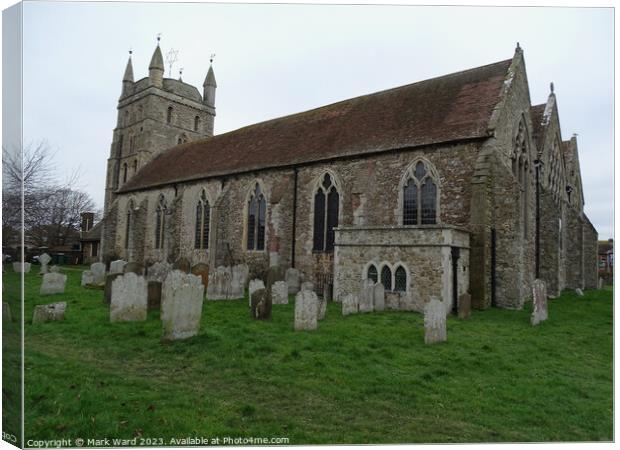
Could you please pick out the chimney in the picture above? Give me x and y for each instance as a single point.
(87, 221)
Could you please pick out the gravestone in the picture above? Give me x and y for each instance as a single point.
(539, 302)
(20, 267)
(153, 294)
(293, 280)
(159, 271)
(134, 267)
(306, 310)
(129, 298)
(117, 266)
(49, 313)
(181, 305)
(202, 270)
(275, 273)
(6, 312)
(255, 285)
(366, 296)
(240, 273)
(279, 293)
(600, 283)
(107, 290)
(260, 306)
(434, 321)
(579, 292)
(98, 271)
(44, 259)
(87, 278)
(307, 286)
(220, 284)
(378, 297)
(349, 304)
(182, 264)
(321, 308)
(53, 283)
(464, 306)
(55, 269)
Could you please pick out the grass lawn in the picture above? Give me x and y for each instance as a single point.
(357, 379)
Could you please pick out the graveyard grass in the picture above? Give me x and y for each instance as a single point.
(357, 379)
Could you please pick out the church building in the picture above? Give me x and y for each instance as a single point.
(445, 186)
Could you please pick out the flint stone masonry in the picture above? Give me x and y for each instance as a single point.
(260, 306)
(366, 296)
(159, 271)
(44, 259)
(181, 305)
(434, 321)
(539, 299)
(17, 267)
(129, 298)
(349, 304)
(134, 267)
(293, 280)
(306, 310)
(6, 312)
(98, 271)
(255, 285)
(53, 283)
(464, 306)
(118, 266)
(220, 284)
(378, 297)
(201, 270)
(87, 278)
(279, 293)
(49, 313)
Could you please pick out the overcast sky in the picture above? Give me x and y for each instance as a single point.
(273, 60)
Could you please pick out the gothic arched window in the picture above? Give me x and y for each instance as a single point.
(203, 214)
(420, 195)
(520, 164)
(160, 222)
(196, 123)
(372, 273)
(169, 115)
(400, 279)
(257, 207)
(135, 165)
(326, 209)
(124, 172)
(386, 278)
(129, 224)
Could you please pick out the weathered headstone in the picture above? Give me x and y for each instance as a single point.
(255, 285)
(182, 264)
(6, 312)
(579, 292)
(293, 280)
(20, 267)
(260, 306)
(129, 298)
(464, 306)
(434, 321)
(600, 283)
(240, 274)
(159, 271)
(134, 267)
(44, 259)
(201, 270)
(87, 278)
(49, 313)
(321, 308)
(366, 296)
(539, 302)
(153, 294)
(275, 273)
(181, 305)
(117, 266)
(53, 283)
(220, 284)
(378, 297)
(107, 290)
(98, 271)
(279, 293)
(307, 286)
(55, 269)
(349, 304)
(306, 310)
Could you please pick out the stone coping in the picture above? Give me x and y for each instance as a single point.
(400, 227)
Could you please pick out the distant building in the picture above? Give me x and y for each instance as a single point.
(90, 238)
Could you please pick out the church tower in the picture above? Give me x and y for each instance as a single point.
(154, 114)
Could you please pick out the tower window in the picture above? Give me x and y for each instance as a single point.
(196, 123)
(256, 220)
(169, 115)
(326, 208)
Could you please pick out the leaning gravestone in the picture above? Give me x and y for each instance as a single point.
(87, 278)
(20, 267)
(306, 310)
(349, 304)
(6, 312)
(201, 270)
(293, 280)
(464, 306)
(366, 296)
(53, 283)
(260, 306)
(153, 294)
(182, 264)
(44, 259)
(219, 287)
(49, 313)
(579, 292)
(307, 286)
(107, 290)
(434, 321)
(129, 298)
(98, 270)
(321, 308)
(117, 266)
(181, 305)
(255, 285)
(159, 271)
(279, 293)
(539, 300)
(378, 297)
(134, 267)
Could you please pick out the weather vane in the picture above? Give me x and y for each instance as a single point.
(171, 57)
(158, 38)
(211, 59)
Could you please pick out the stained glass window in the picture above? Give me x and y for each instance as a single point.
(326, 209)
(203, 212)
(257, 208)
(420, 197)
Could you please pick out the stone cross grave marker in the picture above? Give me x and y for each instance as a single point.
(44, 259)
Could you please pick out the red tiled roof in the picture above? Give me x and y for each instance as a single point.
(449, 108)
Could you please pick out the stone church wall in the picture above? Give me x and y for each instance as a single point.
(590, 256)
